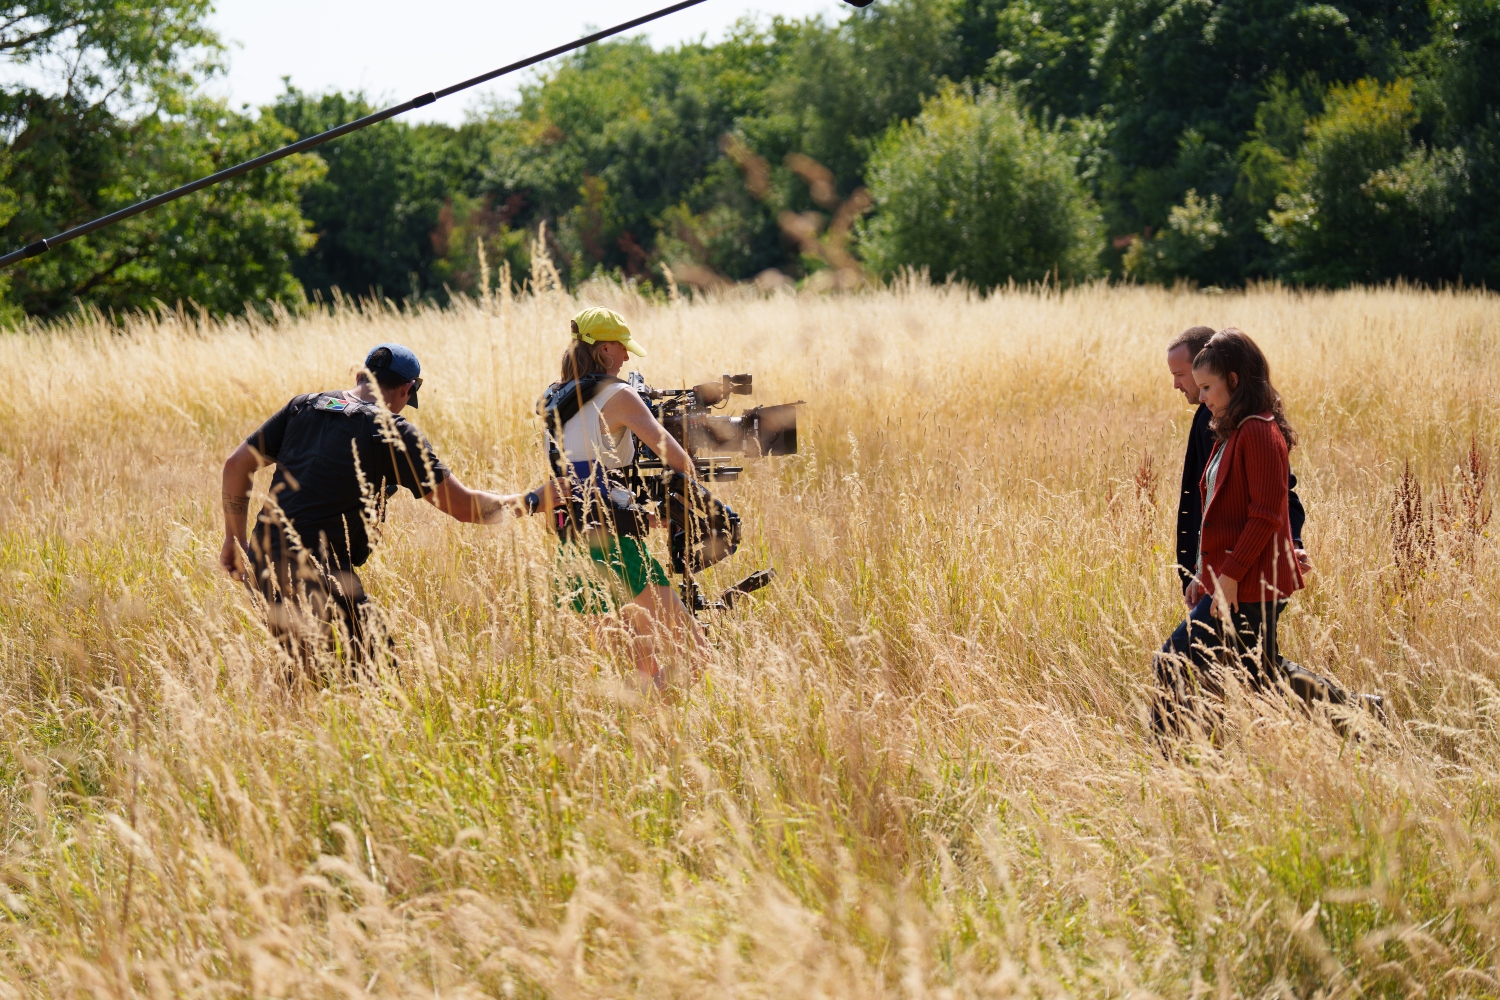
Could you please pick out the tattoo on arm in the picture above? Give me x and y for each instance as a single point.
(236, 504)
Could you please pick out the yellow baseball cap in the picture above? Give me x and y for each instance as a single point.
(595, 324)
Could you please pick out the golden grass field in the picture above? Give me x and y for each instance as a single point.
(916, 767)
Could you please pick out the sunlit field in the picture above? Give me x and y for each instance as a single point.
(917, 766)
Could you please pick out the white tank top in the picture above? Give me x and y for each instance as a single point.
(586, 439)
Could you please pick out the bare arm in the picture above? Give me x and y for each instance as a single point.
(239, 468)
(627, 409)
(471, 506)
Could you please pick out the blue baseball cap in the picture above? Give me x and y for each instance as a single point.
(399, 361)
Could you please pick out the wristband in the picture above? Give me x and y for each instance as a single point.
(533, 502)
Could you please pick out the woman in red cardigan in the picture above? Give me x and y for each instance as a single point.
(1246, 561)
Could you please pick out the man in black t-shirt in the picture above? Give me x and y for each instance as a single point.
(339, 457)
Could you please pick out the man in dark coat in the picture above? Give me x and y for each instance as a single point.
(1201, 439)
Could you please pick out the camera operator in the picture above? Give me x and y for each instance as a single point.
(594, 422)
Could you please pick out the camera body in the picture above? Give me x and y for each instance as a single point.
(711, 438)
(703, 529)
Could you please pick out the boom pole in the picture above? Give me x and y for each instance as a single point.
(42, 246)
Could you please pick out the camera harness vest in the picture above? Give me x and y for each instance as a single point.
(605, 498)
(703, 530)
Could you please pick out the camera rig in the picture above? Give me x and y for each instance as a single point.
(703, 530)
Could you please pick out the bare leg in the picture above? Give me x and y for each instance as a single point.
(621, 632)
(642, 638)
(659, 609)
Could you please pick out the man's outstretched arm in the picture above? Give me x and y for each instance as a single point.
(239, 469)
(472, 506)
(457, 500)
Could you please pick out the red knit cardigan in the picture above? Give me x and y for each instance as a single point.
(1247, 534)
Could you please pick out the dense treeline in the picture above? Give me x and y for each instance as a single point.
(1219, 142)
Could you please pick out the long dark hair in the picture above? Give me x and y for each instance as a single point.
(1232, 352)
(581, 359)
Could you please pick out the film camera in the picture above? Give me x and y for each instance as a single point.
(703, 530)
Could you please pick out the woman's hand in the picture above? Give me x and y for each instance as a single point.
(545, 497)
(1227, 598)
(1304, 561)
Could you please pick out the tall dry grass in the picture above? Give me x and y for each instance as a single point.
(916, 767)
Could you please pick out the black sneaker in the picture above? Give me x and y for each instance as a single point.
(1374, 704)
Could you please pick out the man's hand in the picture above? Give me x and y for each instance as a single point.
(1227, 599)
(231, 559)
(1304, 561)
(1193, 594)
(495, 507)
(463, 504)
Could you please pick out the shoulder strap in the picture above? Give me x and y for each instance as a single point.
(563, 400)
(561, 403)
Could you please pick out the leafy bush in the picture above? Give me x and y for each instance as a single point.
(1194, 231)
(1367, 204)
(463, 224)
(976, 190)
(232, 243)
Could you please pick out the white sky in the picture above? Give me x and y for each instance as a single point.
(395, 50)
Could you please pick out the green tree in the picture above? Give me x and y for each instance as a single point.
(620, 143)
(976, 190)
(121, 124)
(125, 50)
(1461, 68)
(1046, 50)
(836, 90)
(620, 147)
(375, 209)
(1178, 88)
(220, 248)
(1367, 204)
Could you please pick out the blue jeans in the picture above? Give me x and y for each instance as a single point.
(1201, 638)
(1191, 663)
(1201, 625)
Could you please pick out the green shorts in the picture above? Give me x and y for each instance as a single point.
(615, 571)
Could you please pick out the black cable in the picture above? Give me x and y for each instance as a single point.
(42, 246)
